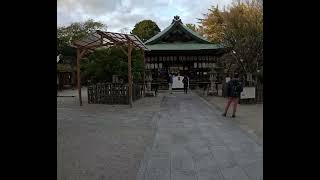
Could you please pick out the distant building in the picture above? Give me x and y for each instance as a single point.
(179, 50)
(65, 72)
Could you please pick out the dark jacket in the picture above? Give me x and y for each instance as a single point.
(170, 80)
(185, 81)
(234, 88)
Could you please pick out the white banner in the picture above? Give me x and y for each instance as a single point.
(248, 93)
(177, 82)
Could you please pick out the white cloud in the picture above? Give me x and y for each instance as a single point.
(119, 14)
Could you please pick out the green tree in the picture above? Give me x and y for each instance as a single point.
(103, 63)
(212, 25)
(66, 35)
(145, 29)
(192, 27)
(240, 28)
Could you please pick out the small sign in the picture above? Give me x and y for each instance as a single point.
(248, 93)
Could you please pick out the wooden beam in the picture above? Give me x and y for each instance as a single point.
(82, 53)
(79, 57)
(144, 73)
(136, 45)
(100, 45)
(78, 76)
(129, 74)
(103, 34)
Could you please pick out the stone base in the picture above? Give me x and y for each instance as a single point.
(212, 93)
(149, 94)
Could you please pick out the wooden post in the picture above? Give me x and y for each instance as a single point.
(144, 74)
(129, 73)
(79, 57)
(78, 76)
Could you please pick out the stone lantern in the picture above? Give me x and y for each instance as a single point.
(149, 80)
(213, 79)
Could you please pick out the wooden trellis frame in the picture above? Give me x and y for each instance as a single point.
(108, 39)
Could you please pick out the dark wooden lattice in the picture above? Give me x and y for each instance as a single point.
(112, 93)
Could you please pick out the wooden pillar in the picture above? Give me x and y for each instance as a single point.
(144, 74)
(79, 57)
(78, 76)
(129, 73)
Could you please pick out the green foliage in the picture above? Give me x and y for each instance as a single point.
(241, 29)
(145, 29)
(192, 27)
(75, 31)
(103, 63)
(66, 35)
(212, 25)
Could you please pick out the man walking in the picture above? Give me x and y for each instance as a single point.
(170, 80)
(185, 82)
(234, 89)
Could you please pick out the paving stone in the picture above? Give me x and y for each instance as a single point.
(183, 175)
(223, 156)
(182, 162)
(254, 170)
(234, 173)
(210, 175)
(185, 137)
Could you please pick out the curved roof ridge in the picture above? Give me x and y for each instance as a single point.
(174, 23)
(159, 34)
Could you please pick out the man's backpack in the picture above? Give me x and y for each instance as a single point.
(235, 88)
(185, 81)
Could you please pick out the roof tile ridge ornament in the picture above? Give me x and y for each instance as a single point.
(176, 19)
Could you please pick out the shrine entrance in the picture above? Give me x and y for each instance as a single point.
(180, 51)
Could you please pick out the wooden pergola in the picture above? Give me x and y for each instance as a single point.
(108, 39)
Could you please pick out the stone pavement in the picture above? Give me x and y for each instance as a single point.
(103, 142)
(194, 142)
(249, 116)
(171, 137)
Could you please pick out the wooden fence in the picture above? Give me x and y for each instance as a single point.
(112, 93)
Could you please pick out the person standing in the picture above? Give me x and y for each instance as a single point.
(234, 89)
(170, 80)
(185, 82)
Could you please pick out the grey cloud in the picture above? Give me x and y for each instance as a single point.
(94, 7)
(118, 14)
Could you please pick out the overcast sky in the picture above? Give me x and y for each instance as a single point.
(119, 14)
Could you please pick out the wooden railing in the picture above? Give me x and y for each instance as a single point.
(112, 93)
